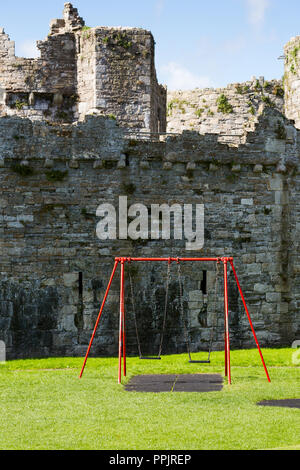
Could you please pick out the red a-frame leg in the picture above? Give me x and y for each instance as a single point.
(249, 318)
(226, 322)
(99, 316)
(122, 326)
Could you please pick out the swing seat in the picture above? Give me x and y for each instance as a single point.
(199, 362)
(151, 358)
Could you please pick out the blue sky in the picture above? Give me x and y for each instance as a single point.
(198, 42)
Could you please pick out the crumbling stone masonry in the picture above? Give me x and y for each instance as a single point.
(199, 110)
(54, 174)
(108, 71)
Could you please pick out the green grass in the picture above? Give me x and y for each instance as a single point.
(44, 405)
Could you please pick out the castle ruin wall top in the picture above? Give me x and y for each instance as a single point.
(108, 70)
(111, 71)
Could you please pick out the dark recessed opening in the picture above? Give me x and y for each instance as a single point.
(78, 320)
(203, 285)
(80, 285)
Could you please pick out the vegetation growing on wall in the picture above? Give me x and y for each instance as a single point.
(176, 102)
(22, 170)
(117, 39)
(223, 105)
(199, 112)
(56, 175)
(19, 105)
(292, 59)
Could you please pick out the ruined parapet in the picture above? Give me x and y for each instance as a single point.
(43, 88)
(71, 21)
(292, 80)
(7, 53)
(7, 47)
(230, 112)
(109, 71)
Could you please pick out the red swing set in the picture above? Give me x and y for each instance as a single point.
(122, 331)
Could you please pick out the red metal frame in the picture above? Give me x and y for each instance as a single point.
(99, 316)
(226, 325)
(122, 330)
(249, 319)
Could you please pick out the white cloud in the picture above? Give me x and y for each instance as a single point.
(257, 10)
(28, 49)
(177, 77)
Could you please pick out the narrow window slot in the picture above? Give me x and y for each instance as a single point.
(203, 285)
(80, 286)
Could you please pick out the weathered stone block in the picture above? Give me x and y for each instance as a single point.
(283, 307)
(168, 166)
(275, 183)
(70, 279)
(273, 297)
(74, 164)
(49, 163)
(247, 202)
(213, 167)
(68, 323)
(275, 145)
(236, 168)
(258, 168)
(261, 288)
(195, 296)
(268, 308)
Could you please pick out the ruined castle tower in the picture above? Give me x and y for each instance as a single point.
(82, 70)
(292, 80)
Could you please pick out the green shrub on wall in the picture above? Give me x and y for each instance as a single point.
(223, 105)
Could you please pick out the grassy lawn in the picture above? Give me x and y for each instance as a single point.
(44, 405)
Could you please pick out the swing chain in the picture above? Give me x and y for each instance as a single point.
(186, 335)
(166, 308)
(214, 324)
(164, 318)
(134, 314)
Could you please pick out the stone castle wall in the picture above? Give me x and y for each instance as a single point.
(43, 88)
(291, 79)
(110, 71)
(54, 270)
(72, 136)
(200, 109)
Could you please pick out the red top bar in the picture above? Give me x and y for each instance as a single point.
(128, 259)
